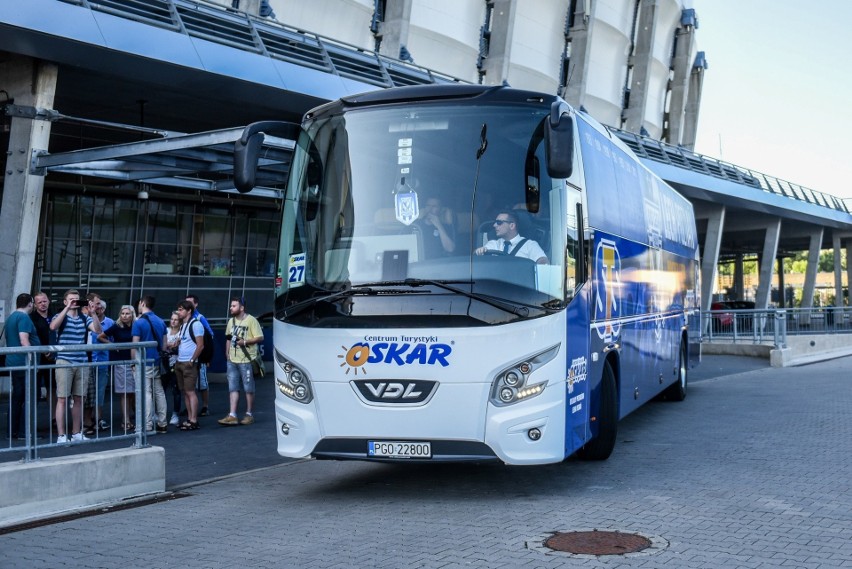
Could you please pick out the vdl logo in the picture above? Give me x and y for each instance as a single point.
(404, 392)
(607, 285)
(399, 353)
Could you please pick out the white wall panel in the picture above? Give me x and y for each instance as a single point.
(444, 35)
(347, 21)
(537, 44)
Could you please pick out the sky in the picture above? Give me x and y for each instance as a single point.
(777, 96)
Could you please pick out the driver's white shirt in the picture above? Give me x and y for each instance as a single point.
(529, 250)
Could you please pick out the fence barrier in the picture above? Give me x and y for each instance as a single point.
(773, 325)
(32, 399)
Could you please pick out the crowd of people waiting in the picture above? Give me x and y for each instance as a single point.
(75, 381)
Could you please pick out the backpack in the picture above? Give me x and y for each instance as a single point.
(206, 355)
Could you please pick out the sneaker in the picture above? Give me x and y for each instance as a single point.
(78, 437)
(204, 412)
(175, 420)
(103, 425)
(164, 428)
(247, 420)
(61, 439)
(229, 420)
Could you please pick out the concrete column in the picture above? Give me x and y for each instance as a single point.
(838, 270)
(394, 28)
(693, 104)
(710, 258)
(849, 271)
(767, 264)
(496, 65)
(739, 277)
(579, 36)
(682, 68)
(781, 300)
(29, 82)
(812, 268)
(634, 114)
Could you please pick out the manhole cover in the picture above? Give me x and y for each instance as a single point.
(597, 542)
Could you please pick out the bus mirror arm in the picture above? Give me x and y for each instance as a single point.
(559, 139)
(247, 150)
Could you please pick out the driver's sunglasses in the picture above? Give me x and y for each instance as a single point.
(501, 221)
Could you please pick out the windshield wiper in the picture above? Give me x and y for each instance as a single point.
(513, 307)
(357, 290)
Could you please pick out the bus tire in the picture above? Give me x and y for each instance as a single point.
(600, 447)
(677, 390)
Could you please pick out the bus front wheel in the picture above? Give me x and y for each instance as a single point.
(600, 447)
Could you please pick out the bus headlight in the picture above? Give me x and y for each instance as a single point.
(294, 382)
(513, 384)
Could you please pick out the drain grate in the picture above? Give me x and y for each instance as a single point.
(597, 542)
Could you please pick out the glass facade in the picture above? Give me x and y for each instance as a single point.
(122, 248)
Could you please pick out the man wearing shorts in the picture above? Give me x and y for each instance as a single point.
(72, 375)
(243, 334)
(186, 367)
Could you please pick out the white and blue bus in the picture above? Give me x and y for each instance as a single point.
(395, 344)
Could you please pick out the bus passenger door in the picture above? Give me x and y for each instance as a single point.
(578, 320)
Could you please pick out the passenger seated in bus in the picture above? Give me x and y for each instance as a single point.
(437, 229)
(510, 242)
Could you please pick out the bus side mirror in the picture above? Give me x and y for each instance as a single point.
(559, 141)
(247, 150)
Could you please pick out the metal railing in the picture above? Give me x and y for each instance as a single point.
(647, 147)
(773, 325)
(39, 427)
(239, 30)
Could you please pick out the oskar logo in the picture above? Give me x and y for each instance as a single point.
(398, 353)
(395, 392)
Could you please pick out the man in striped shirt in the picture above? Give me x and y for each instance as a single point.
(70, 327)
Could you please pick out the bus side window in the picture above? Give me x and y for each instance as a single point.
(573, 255)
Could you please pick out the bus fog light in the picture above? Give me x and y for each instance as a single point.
(534, 434)
(285, 429)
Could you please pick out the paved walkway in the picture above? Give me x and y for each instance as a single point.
(751, 471)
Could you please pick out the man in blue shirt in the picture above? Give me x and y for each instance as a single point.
(150, 327)
(72, 378)
(20, 331)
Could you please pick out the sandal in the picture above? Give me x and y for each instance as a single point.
(88, 430)
(128, 427)
(189, 426)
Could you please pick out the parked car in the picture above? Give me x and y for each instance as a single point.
(722, 321)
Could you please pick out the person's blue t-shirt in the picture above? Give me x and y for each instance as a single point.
(142, 329)
(16, 323)
(73, 332)
(101, 355)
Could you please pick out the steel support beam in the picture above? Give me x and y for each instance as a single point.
(28, 82)
(812, 268)
(767, 264)
(710, 258)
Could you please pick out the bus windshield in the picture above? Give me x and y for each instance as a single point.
(432, 214)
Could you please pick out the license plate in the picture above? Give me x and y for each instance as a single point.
(399, 449)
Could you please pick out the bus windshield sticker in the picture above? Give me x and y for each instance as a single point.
(296, 270)
(406, 206)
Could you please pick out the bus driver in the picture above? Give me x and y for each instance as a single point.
(510, 242)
